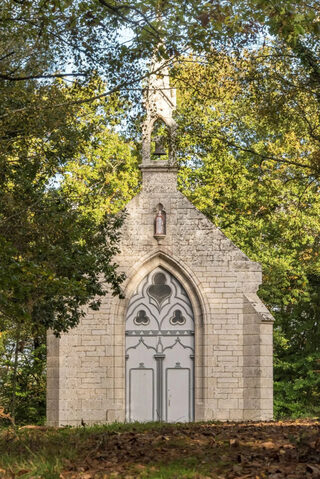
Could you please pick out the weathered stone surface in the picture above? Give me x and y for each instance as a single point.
(233, 329)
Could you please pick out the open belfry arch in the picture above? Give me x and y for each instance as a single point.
(191, 340)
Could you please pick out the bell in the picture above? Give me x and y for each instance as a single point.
(159, 149)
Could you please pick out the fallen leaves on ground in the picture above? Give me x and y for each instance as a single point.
(274, 450)
(261, 450)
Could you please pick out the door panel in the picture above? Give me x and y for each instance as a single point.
(141, 387)
(159, 351)
(178, 395)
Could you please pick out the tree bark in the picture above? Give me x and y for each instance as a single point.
(14, 378)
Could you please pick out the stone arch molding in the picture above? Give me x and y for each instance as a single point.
(192, 287)
(179, 270)
(169, 122)
(147, 130)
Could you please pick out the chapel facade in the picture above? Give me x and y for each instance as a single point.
(191, 340)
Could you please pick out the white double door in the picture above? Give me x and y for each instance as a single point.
(159, 351)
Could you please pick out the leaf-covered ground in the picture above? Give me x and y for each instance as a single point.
(273, 450)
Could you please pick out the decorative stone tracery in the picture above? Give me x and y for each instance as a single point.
(160, 353)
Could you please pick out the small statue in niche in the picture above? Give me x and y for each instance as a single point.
(160, 223)
(160, 226)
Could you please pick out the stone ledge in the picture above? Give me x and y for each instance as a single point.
(260, 309)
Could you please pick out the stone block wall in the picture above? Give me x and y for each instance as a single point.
(258, 359)
(233, 329)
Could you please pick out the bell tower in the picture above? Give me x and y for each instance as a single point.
(159, 127)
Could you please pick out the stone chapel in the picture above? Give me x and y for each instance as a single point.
(191, 341)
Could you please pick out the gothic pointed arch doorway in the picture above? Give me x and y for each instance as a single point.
(160, 351)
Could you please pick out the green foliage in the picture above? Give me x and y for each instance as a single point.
(296, 386)
(65, 178)
(244, 157)
(53, 248)
(249, 142)
(102, 176)
(297, 359)
(65, 172)
(30, 389)
(245, 170)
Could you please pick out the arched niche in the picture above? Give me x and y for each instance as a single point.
(160, 222)
(160, 140)
(199, 306)
(158, 132)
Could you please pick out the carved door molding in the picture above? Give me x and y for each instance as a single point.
(160, 351)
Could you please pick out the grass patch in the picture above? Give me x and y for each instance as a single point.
(43, 452)
(188, 469)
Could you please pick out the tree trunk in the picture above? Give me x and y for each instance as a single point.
(14, 378)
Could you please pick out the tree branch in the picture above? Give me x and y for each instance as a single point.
(116, 11)
(7, 55)
(253, 152)
(121, 86)
(34, 77)
(265, 157)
